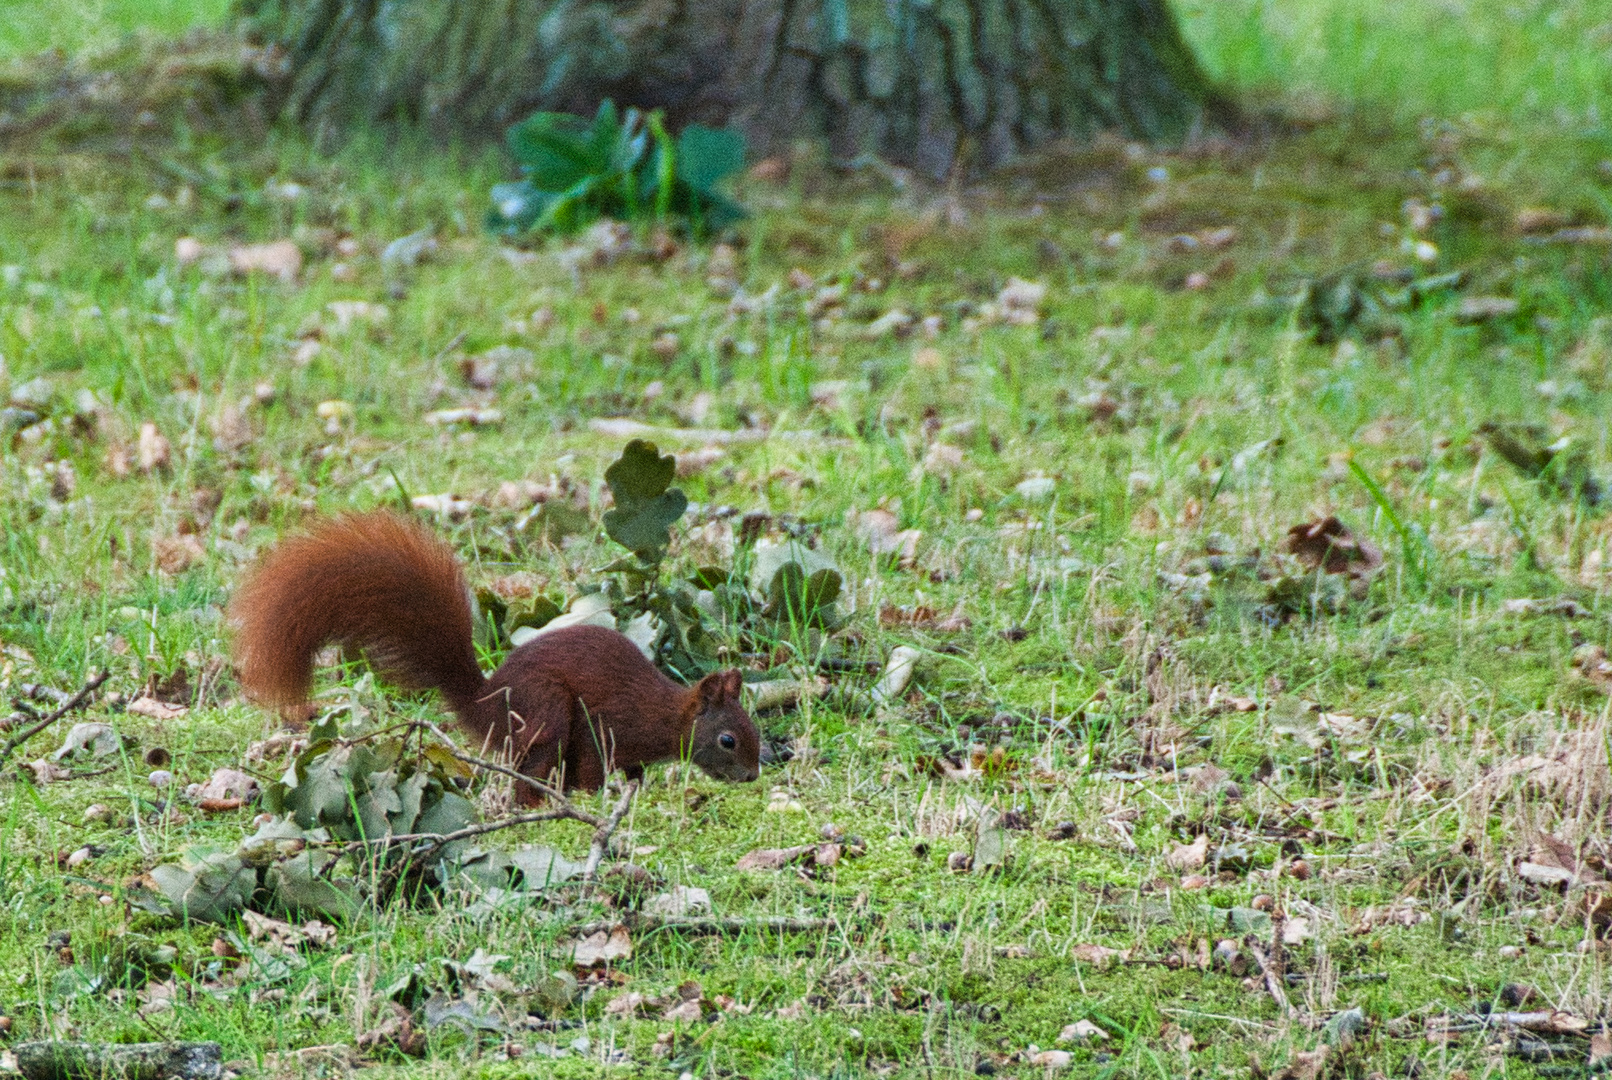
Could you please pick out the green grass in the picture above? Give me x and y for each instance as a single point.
(1185, 431)
(1540, 63)
(29, 26)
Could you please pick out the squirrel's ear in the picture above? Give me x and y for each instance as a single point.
(719, 687)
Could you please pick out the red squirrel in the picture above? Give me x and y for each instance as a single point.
(582, 697)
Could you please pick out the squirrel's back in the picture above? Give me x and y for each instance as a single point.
(375, 581)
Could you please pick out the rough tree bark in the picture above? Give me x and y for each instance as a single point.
(930, 84)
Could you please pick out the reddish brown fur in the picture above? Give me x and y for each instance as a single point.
(580, 700)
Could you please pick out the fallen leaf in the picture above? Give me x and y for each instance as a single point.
(1189, 856)
(1098, 955)
(881, 530)
(47, 772)
(1019, 301)
(232, 430)
(1480, 309)
(774, 858)
(176, 554)
(626, 1004)
(684, 1011)
(472, 417)
(1304, 1066)
(602, 948)
(1328, 545)
(226, 785)
(1082, 1031)
(1600, 1048)
(680, 900)
(349, 313)
(154, 450)
(1544, 874)
(281, 259)
(93, 740)
(156, 710)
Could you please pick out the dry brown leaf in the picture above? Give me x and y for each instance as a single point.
(603, 948)
(154, 451)
(281, 259)
(697, 461)
(1304, 1066)
(396, 1028)
(1189, 856)
(1098, 955)
(626, 1004)
(1328, 545)
(924, 617)
(1600, 1048)
(48, 772)
(231, 430)
(156, 710)
(881, 530)
(227, 785)
(176, 554)
(687, 1012)
(774, 858)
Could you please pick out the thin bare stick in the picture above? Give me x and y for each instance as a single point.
(75, 702)
(547, 790)
(438, 840)
(775, 924)
(601, 835)
(1273, 978)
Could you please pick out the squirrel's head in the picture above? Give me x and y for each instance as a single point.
(725, 742)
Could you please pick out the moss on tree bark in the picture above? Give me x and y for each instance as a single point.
(929, 84)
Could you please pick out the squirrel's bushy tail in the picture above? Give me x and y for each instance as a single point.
(376, 582)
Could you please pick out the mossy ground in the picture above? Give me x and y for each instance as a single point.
(1185, 423)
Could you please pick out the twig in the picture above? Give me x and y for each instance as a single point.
(72, 703)
(602, 834)
(39, 691)
(546, 790)
(438, 840)
(1273, 978)
(713, 926)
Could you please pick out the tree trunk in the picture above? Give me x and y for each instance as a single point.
(929, 84)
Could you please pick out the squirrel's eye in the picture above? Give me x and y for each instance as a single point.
(726, 741)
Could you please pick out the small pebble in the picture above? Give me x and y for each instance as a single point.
(78, 858)
(1510, 952)
(97, 812)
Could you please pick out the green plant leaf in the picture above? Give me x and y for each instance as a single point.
(646, 508)
(706, 156)
(517, 206)
(541, 867)
(301, 886)
(208, 884)
(558, 150)
(794, 595)
(542, 612)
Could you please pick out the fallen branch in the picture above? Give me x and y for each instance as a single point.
(81, 1060)
(602, 834)
(77, 701)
